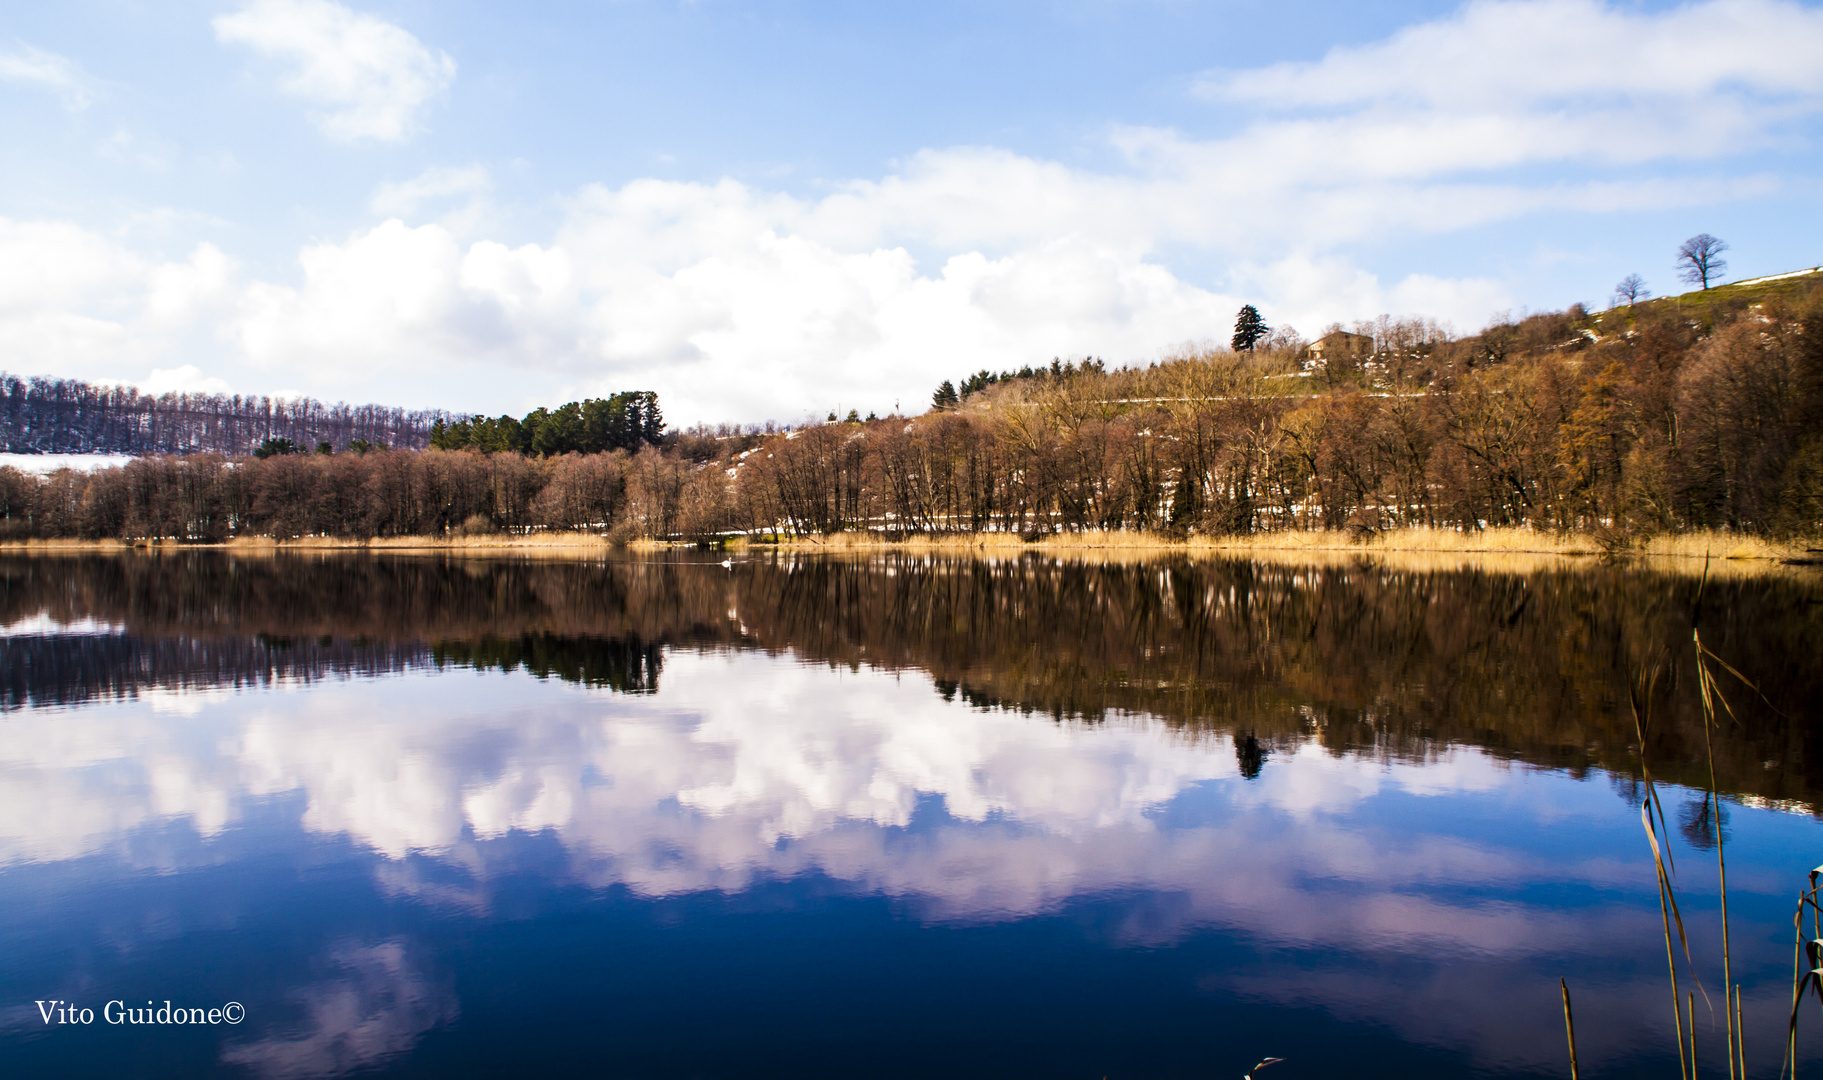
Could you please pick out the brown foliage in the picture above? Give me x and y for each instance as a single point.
(1672, 414)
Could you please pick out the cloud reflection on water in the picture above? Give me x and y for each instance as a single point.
(747, 767)
(375, 1005)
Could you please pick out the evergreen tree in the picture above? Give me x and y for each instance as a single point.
(1249, 328)
(945, 397)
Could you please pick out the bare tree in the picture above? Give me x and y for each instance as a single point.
(1699, 259)
(1632, 289)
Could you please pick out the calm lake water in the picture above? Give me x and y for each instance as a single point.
(894, 816)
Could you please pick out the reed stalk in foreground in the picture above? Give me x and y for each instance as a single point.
(1690, 1016)
(1711, 695)
(1569, 1027)
(1801, 978)
(1652, 816)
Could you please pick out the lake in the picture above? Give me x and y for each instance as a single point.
(888, 815)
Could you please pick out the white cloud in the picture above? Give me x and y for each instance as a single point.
(370, 77)
(75, 302)
(713, 304)
(187, 379)
(738, 302)
(393, 295)
(31, 65)
(1511, 82)
(51, 265)
(404, 198)
(123, 146)
(1494, 54)
(178, 293)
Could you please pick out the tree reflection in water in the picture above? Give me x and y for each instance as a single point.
(1358, 657)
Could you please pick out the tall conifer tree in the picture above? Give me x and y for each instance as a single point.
(1249, 328)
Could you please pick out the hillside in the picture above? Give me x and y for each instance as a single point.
(1697, 411)
(1702, 411)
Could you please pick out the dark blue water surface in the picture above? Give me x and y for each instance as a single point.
(883, 818)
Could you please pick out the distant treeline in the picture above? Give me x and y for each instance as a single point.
(624, 421)
(68, 416)
(1696, 412)
(380, 493)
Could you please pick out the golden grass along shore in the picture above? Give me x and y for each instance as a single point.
(1709, 544)
(251, 545)
(1506, 549)
(1517, 551)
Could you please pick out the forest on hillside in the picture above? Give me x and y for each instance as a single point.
(69, 416)
(1701, 411)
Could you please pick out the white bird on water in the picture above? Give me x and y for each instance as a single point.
(727, 564)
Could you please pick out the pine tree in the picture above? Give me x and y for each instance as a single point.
(1249, 328)
(945, 397)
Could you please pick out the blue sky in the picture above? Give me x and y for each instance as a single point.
(768, 210)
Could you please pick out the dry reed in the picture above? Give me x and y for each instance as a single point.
(1652, 816)
(1702, 544)
(1540, 549)
(1515, 551)
(1804, 977)
(1569, 1026)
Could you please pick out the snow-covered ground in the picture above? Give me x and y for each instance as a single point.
(1779, 277)
(48, 463)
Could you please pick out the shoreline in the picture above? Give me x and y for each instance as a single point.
(1418, 550)
(1713, 545)
(1518, 550)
